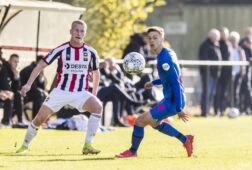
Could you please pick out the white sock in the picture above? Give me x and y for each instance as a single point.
(93, 125)
(30, 134)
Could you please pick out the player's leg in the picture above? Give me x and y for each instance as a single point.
(162, 110)
(166, 109)
(94, 106)
(31, 132)
(137, 135)
(53, 103)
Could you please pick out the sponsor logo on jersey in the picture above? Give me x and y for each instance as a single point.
(75, 66)
(67, 66)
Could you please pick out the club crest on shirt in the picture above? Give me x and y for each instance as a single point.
(85, 56)
(166, 66)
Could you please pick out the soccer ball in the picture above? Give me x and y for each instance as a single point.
(233, 113)
(133, 63)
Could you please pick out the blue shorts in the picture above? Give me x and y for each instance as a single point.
(163, 109)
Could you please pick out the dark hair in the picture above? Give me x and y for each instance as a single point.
(14, 56)
(248, 39)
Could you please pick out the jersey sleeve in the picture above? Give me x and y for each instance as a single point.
(52, 55)
(156, 82)
(94, 60)
(176, 88)
(172, 67)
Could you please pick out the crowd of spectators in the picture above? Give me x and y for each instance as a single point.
(226, 86)
(12, 79)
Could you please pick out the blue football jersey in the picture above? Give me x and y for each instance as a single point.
(170, 77)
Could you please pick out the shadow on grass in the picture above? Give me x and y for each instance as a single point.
(30, 155)
(55, 155)
(73, 160)
(170, 157)
(1, 166)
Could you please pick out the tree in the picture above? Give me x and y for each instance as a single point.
(111, 22)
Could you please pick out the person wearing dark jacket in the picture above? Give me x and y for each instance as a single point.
(225, 78)
(246, 85)
(112, 89)
(16, 86)
(37, 94)
(6, 92)
(209, 50)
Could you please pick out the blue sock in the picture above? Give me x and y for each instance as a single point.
(167, 129)
(137, 136)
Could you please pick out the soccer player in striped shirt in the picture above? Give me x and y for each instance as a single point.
(173, 102)
(75, 60)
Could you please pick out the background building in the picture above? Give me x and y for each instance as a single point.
(187, 22)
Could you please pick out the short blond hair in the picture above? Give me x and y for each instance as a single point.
(158, 29)
(80, 22)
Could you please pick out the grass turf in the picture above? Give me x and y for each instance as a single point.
(220, 144)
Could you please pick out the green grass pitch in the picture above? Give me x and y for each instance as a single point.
(220, 144)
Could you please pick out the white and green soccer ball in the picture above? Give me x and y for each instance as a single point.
(133, 63)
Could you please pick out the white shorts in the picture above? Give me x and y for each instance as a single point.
(59, 98)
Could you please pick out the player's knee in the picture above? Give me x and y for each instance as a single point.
(97, 107)
(139, 122)
(156, 125)
(37, 121)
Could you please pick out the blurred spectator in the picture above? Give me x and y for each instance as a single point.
(6, 92)
(37, 93)
(225, 75)
(142, 97)
(111, 88)
(209, 50)
(246, 98)
(136, 44)
(247, 33)
(238, 72)
(15, 86)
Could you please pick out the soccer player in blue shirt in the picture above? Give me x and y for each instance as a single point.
(173, 102)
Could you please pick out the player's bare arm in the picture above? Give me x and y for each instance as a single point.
(36, 71)
(96, 80)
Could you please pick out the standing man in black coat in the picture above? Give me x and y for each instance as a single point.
(225, 74)
(209, 50)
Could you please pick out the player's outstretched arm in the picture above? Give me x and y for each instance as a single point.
(35, 72)
(96, 81)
